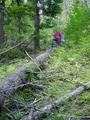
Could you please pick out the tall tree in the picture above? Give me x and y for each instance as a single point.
(49, 8)
(37, 25)
(2, 39)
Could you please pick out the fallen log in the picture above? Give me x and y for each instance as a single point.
(79, 117)
(8, 85)
(34, 115)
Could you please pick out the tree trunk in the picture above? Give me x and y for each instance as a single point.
(67, 7)
(9, 84)
(18, 21)
(2, 4)
(35, 115)
(37, 27)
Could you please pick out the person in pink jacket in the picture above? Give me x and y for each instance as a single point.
(58, 39)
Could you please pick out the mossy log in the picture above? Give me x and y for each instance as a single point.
(34, 115)
(9, 85)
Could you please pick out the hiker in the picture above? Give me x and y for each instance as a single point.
(58, 39)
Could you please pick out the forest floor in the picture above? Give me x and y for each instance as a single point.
(63, 72)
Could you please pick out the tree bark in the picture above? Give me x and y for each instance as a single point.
(2, 4)
(10, 83)
(37, 26)
(46, 110)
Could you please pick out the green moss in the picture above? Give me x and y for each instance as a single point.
(6, 69)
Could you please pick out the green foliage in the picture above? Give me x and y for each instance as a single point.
(73, 70)
(47, 22)
(53, 7)
(8, 2)
(15, 53)
(65, 70)
(30, 74)
(55, 117)
(21, 10)
(78, 25)
(18, 22)
(73, 65)
(3, 116)
(6, 69)
(85, 46)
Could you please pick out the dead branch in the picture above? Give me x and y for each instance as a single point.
(12, 48)
(31, 85)
(10, 112)
(46, 110)
(7, 50)
(33, 61)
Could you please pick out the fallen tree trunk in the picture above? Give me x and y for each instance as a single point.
(10, 83)
(46, 110)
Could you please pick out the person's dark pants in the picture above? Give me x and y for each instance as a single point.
(56, 43)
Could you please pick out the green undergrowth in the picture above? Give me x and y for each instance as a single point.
(64, 71)
(8, 68)
(71, 68)
(67, 68)
(77, 108)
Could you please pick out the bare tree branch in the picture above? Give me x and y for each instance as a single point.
(46, 110)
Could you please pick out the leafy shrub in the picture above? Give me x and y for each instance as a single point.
(78, 25)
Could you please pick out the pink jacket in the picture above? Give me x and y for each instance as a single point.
(57, 36)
